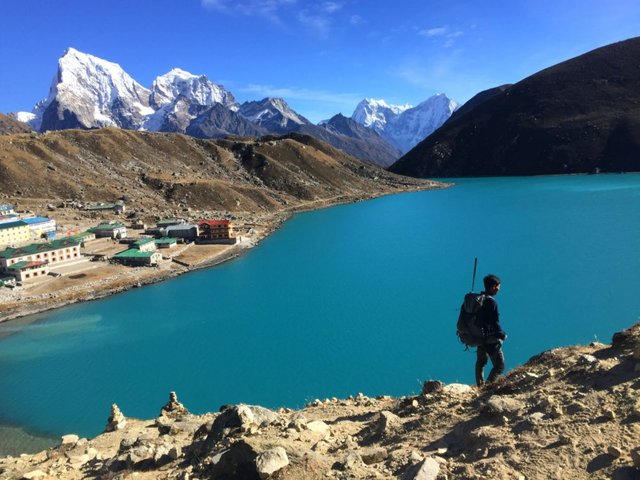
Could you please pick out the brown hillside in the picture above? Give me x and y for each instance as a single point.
(579, 116)
(10, 125)
(154, 171)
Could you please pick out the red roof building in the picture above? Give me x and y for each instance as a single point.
(217, 231)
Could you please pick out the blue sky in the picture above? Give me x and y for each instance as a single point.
(322, 57)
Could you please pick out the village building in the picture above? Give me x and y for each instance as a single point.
(144, 244)
(139, 225)
(6, 209)
(216, 231)
(9, 217)
(154, 231)
(170, 222)
(14, 233)
(25, 270)
(111, 229)
(117, 207)
(166, 242)
(137, 258)
(85, 237)
(41, 227)
(184, 231)
(35, 259)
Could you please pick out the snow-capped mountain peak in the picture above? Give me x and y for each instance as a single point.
(403, 125)
(375, 113)
(197, 89)
(89, 92)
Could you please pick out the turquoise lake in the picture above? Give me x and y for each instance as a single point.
(356, 298)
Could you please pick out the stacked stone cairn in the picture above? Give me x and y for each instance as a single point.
(116, 421)
(173, 408)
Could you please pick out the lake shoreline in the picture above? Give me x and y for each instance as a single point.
(142, 276)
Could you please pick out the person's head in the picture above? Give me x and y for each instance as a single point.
(491, 284)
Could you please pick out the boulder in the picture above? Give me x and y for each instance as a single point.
(426, 470)
(318, 426)
(67, 442)
(260, 416)
(243, 417)
(271, 461)
(373, 455)
(387, 423)
(351, 461)
(457, 388)
(615, 452)
(587, 359)
(497, 405)
(77, 461)
(431, 386)
(298, 423)
(34, 474)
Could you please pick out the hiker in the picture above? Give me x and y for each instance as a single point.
(491, 348)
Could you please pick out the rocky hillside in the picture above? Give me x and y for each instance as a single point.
(581, 115)
(568, 413)
(155, 170)
(9, 125)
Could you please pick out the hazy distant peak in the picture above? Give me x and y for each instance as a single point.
(272, 113)
(403, 125)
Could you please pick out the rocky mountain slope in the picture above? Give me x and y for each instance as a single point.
(9, 125)
(581, 115)
(275, 115)
(567, 413)
(156, 170)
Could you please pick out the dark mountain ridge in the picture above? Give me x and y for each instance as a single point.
(582, 115)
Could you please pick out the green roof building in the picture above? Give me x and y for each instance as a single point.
(137, 258)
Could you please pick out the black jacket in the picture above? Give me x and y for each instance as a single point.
(491, 319)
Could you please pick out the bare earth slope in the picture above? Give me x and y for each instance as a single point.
(9, 125)
(154, 170)
(569, 413)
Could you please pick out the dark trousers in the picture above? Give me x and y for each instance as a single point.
(485, 352)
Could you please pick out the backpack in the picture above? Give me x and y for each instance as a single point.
(470, 327)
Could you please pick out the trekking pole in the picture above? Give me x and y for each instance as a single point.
(475, 266)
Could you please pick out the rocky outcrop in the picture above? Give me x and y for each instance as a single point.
(567, 413)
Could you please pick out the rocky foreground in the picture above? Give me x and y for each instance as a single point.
(568, 413)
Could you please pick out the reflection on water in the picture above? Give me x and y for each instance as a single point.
(41, 339)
